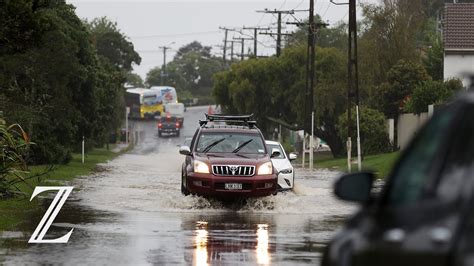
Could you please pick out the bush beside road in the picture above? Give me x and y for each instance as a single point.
(381, 164)
(16, 211)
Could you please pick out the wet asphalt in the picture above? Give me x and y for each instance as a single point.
(131, 212)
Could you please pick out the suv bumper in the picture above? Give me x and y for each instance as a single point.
(210, 185)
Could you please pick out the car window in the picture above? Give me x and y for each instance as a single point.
(270, 147)
(459, 159)
(413, 172)
(149, 100)
(168, 119)
(229, 142)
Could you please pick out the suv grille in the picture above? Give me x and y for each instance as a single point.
(233, 170)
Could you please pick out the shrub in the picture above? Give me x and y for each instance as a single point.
(373, 132)
(13, 147)
(431, 92)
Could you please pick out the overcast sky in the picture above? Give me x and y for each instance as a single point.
(153, 23)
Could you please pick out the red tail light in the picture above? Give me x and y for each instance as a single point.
(160, 125)
(177, 125)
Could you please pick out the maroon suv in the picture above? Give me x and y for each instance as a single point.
(227, 157)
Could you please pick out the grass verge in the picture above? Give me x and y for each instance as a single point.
(380, 164)
(15, 212)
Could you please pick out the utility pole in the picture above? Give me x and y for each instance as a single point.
(353, 70)
(278, 51)
(225, 43)
(313, 27)
(352, 82)
(278, 34)
(255, 33)
(232, 50)
(163, 69)
(310, 64)
(226, 30)
(242, 45)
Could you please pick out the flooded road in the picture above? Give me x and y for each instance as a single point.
(133, 213)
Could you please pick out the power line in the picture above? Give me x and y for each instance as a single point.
(329, 5)
(299, 4)
(282, 5)
(173, 35)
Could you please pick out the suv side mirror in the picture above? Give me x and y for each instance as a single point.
(354, 187)
(292, 156)
(275, 153)
(185, 150)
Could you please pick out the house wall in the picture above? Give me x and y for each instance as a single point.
(459, 66)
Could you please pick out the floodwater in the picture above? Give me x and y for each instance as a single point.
(132, 212)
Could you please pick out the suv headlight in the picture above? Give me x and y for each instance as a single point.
(265, 169)
(201, 167)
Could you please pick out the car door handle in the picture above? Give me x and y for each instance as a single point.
(395, 235)
(440, 235)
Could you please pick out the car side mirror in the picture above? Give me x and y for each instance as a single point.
(292, 156)
(355, 187)
(275, 153)
(185, 150)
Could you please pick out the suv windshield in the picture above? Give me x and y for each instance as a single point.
(222, 142)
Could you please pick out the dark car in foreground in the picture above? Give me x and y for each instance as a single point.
(424, 214)
(228, 160)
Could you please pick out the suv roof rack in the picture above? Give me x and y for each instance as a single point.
(242, 119)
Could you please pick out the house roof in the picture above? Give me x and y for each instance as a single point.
(458, 26)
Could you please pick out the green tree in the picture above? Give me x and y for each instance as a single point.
(135, 80)
(390, 33)
(153, 77)
(53, 81)
(112, 44)
(274, 90)
(49, 79)
(402, 79)
(190, 71)
(434, 59)
(373, 134)
(116, 56)
(432, 92)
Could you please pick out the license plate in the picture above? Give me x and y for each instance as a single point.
(233, 186)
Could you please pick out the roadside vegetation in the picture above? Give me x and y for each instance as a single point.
(380, 164)
(15, 212)
(14, 145)
(18, 179)
(400, 58)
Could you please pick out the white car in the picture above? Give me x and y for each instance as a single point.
(282, 163)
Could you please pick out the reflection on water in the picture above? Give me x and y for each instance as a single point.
(263, 256)
(200, 253)
(207, 249)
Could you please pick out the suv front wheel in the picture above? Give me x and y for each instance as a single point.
(184, 190)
